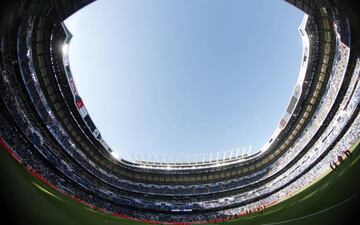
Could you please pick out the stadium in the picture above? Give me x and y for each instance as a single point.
(56, 167)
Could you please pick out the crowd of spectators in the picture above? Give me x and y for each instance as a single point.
(45, 148)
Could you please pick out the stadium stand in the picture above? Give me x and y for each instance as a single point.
(45, 126)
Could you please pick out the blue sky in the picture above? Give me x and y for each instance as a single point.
(167, 77)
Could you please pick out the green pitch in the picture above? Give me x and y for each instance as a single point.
(334, 199)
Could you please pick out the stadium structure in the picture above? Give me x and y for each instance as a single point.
(47, 131)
